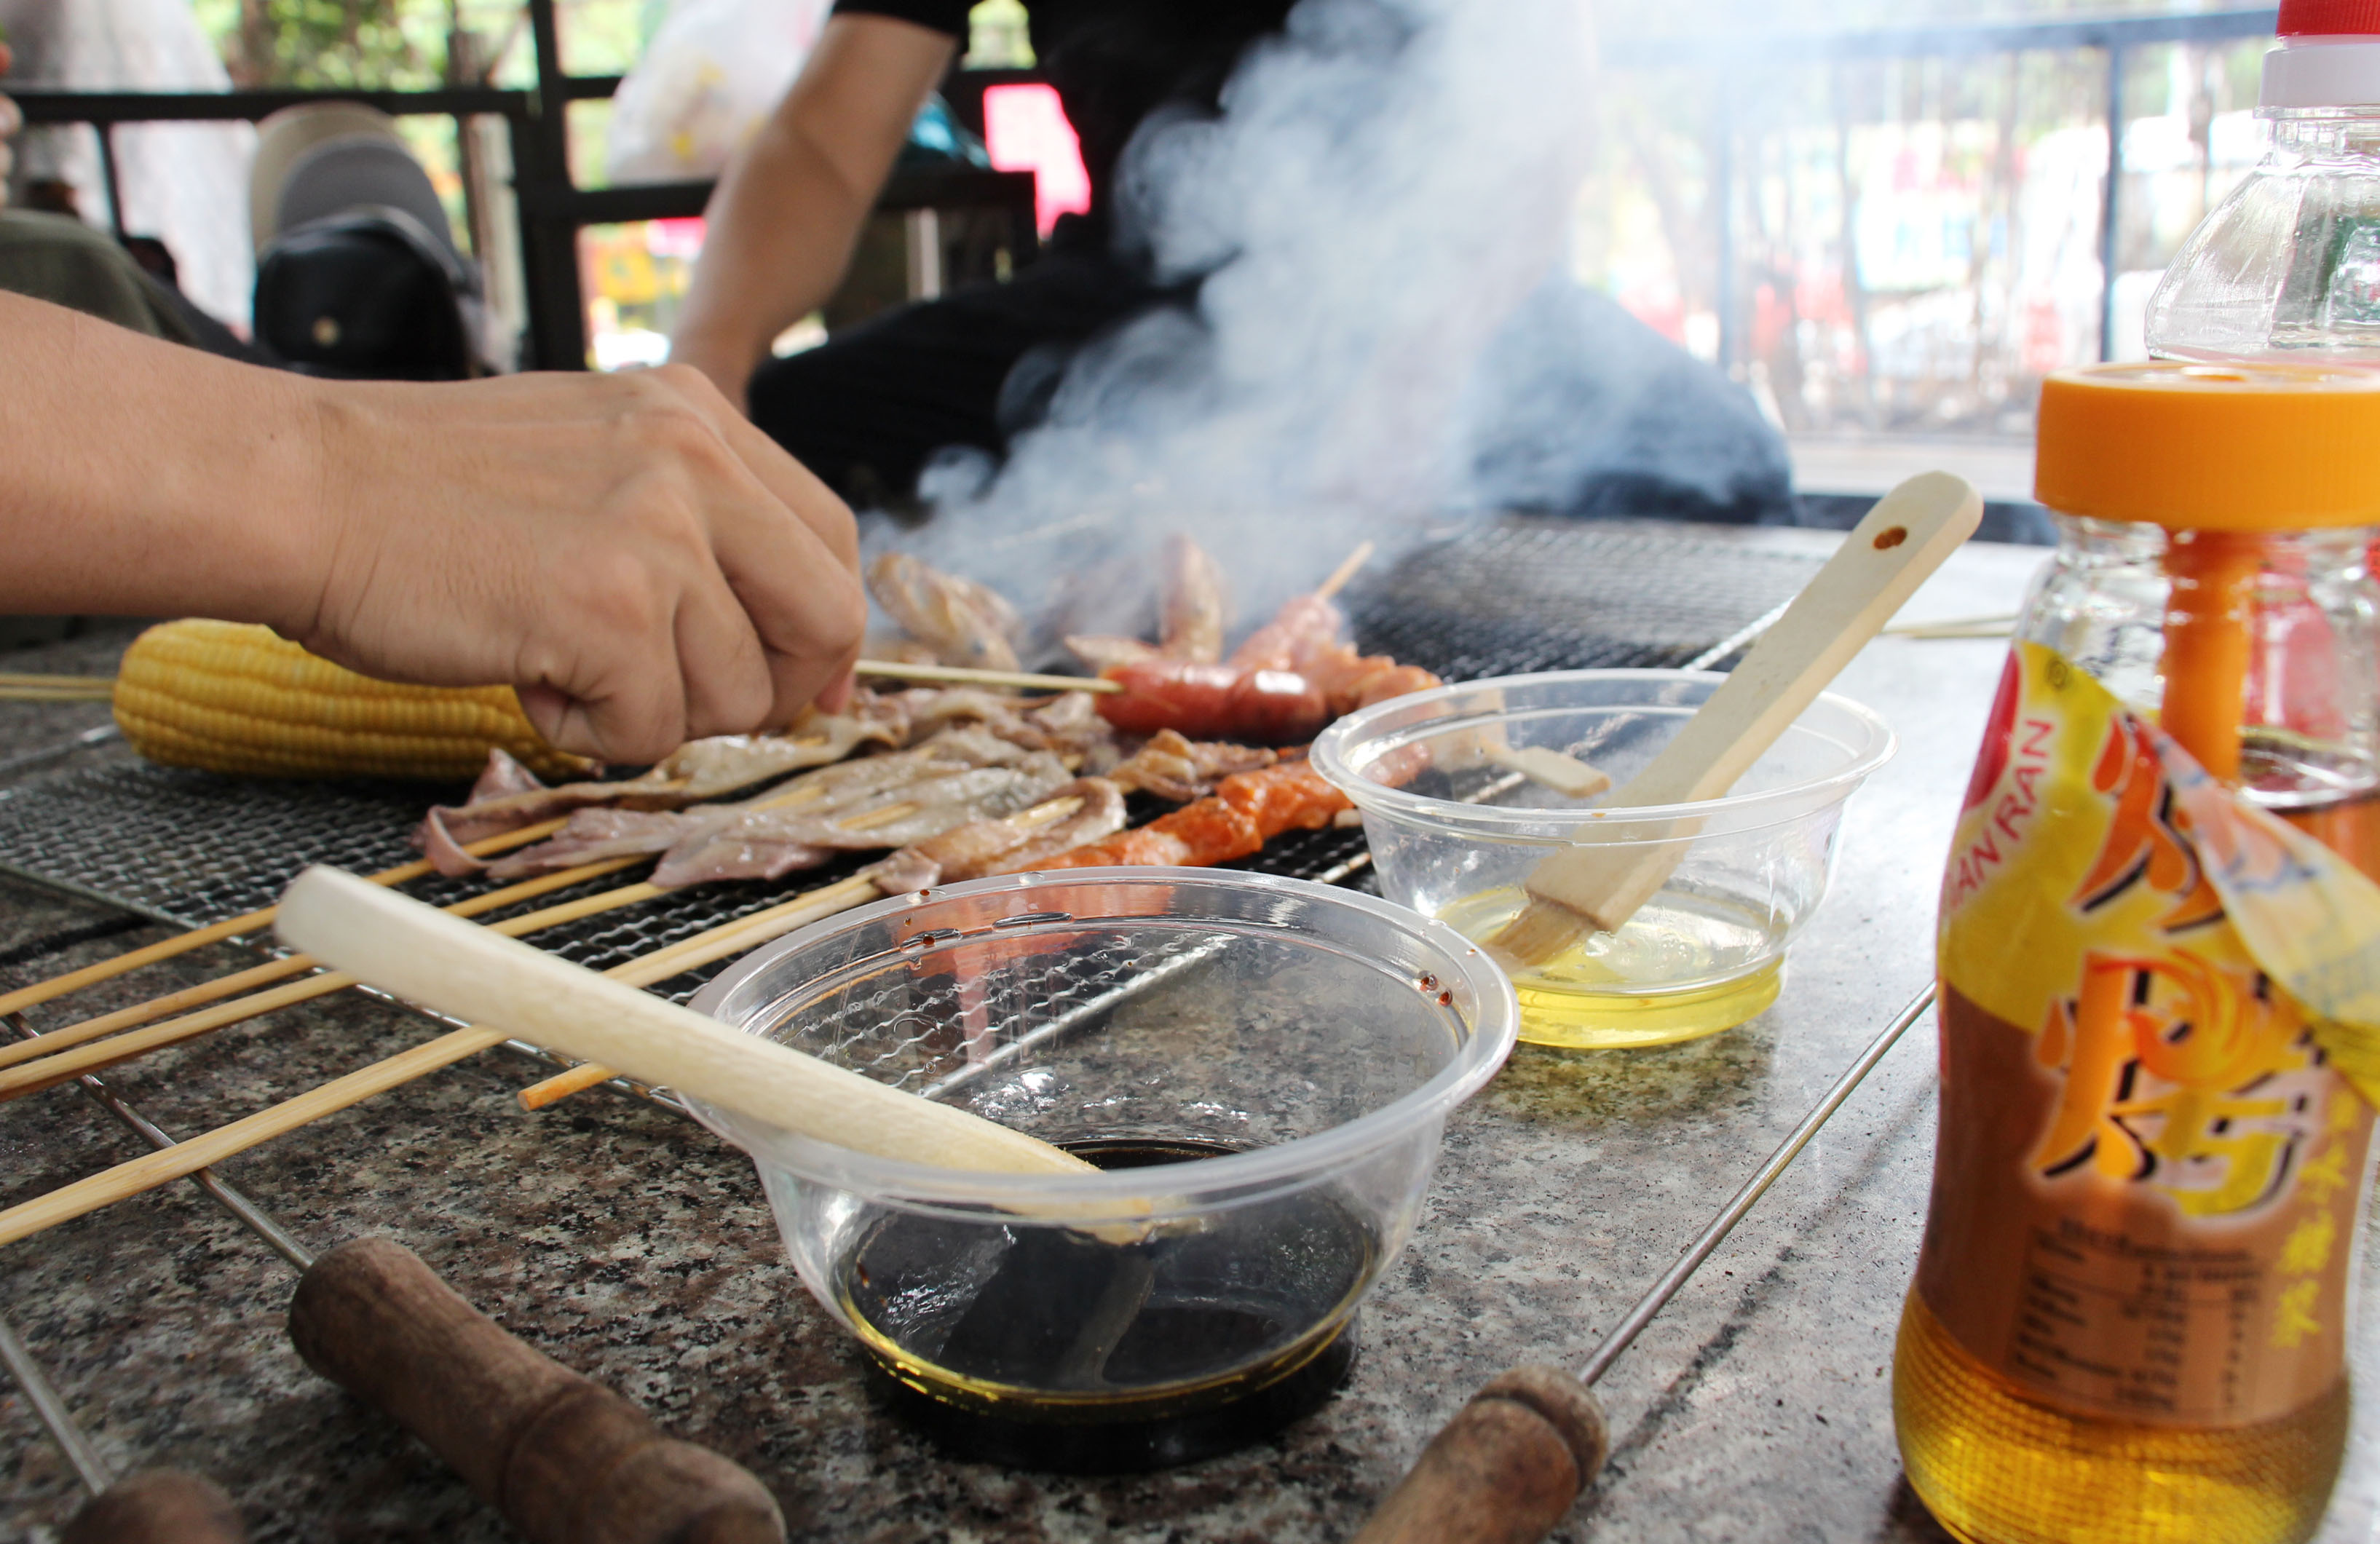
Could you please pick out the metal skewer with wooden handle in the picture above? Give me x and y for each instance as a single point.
(453, 967)
(153, 1506)
(1510, 1463)
(1598, 887)
(566, 1460)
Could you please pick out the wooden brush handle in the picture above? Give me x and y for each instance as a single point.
(564, 1458)
(157, 1506)
(444, 963)
(1505, 1470)
(1601, 880)
(1892, 550)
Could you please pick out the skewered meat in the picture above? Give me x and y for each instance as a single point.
(1181, 770)
(1305, 625)
(1291, 677)
(844, 789)
(1214, 701)
(1191, 614)
(1071, 725)
(766, 843)
(1350, 680)
(1190, 610)
(1246, 811)
(963, 621)
(1007, 845)
(509, 796)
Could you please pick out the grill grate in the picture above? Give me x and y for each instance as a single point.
(1517, 594)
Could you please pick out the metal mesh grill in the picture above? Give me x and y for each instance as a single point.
(189, 848)
(936, 1035)
(1544, 594)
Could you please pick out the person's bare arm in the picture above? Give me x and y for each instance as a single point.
(630, 552)
(788, 210)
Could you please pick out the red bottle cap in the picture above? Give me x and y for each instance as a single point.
(2328, 18)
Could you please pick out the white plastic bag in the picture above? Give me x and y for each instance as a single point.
(712, 73)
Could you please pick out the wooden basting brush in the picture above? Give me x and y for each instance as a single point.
(1596, 886)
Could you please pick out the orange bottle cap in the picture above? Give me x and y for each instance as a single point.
(2212, 447)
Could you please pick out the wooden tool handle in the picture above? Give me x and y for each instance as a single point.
(157, 1506)
(1505, 1470)
(564, 1459)
(1601, 880)
(1881, 563)
(442, 962)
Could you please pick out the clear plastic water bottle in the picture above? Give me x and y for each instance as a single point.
(2288, 266)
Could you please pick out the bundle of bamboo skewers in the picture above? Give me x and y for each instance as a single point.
(79, 1049)
(74, 1049)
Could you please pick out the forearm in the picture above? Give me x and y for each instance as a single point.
(143, 479)
(789, 208)
(781, 229)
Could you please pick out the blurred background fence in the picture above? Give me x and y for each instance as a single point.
(1901, 230)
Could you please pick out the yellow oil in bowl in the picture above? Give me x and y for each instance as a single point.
(1685, 967)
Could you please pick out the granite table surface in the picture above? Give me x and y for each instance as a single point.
(634, 1246)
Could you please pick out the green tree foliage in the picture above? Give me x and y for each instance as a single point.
(324, 43)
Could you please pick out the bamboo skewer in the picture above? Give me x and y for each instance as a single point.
(232, 927)
(21, 678)
(1996, 624)
(55, 1062)
(52, 1070)
(968, 676)
(1348, 567)
(167, 1164)
(75, 1034)
(100, 688)
(68, 1035)
(444, 962)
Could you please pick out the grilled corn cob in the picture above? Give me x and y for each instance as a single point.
(230, 698)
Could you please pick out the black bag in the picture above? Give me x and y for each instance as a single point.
(365, 294)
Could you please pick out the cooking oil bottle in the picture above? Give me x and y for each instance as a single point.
(2128, 1324)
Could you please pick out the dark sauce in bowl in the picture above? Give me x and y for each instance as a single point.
(1046, 1348)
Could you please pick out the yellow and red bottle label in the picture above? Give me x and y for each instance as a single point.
(2145, 1198)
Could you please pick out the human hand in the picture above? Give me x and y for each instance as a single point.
(640, 562)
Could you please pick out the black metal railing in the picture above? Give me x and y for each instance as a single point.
(552, 208)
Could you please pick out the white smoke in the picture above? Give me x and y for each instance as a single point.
(1388, 180)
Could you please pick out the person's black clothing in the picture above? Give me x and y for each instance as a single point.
(867, 407)
(1115, 62)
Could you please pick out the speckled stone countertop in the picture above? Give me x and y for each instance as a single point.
(637, 1247)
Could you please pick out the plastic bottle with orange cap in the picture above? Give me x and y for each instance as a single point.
(2129, 1319)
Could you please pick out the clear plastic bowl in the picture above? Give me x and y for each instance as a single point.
(1455, 834)
(1312, 1039)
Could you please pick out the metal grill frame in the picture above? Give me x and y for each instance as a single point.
(1514, 594)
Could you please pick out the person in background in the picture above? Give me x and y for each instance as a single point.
(867, 408)
(1656, 432)
(639, 561)
(50, 254)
